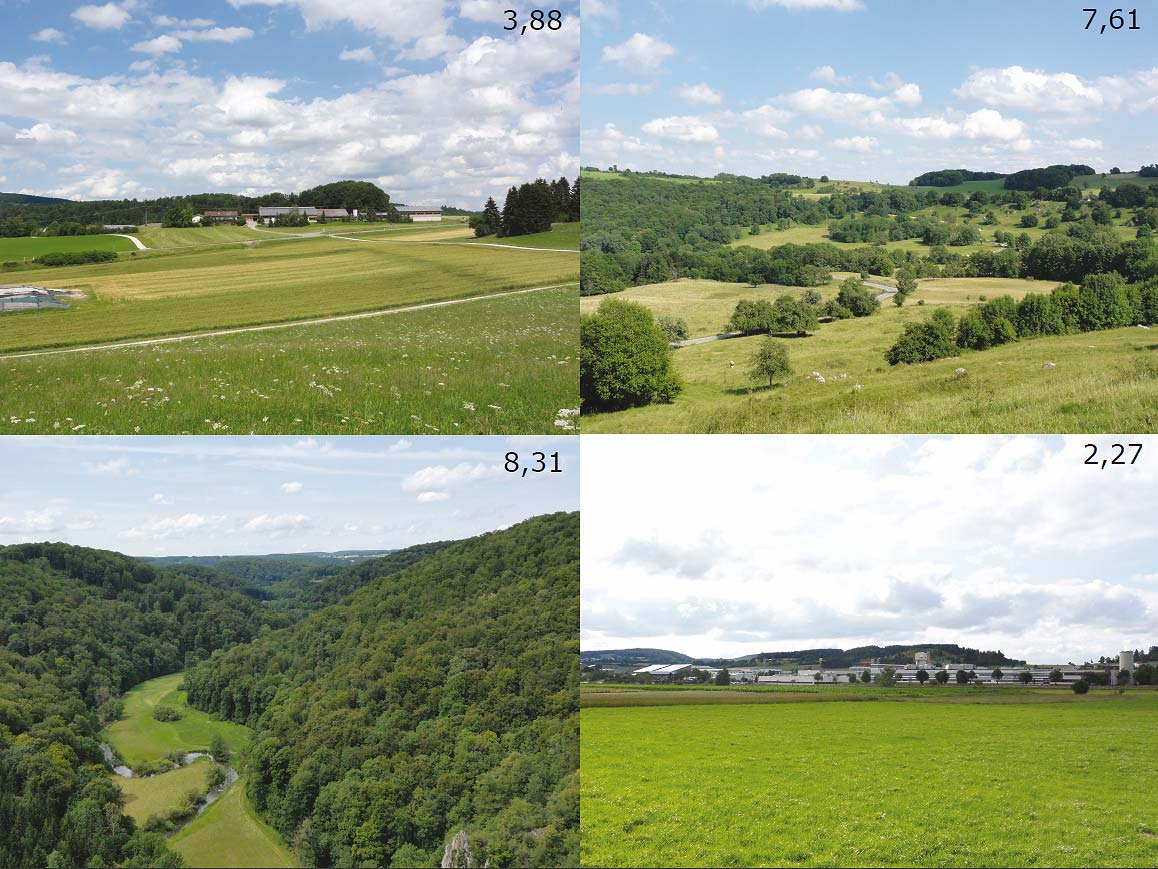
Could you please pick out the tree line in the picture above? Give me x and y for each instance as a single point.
(529, 208)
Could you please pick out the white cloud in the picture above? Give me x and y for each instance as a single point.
(430, 497)
(907, 94)
(862, 144)
(401, 23)
(699, 95)
(161, 498)
(486, 11)
(640, 54)
(634, 89)
(167, 21)
(765, 121)
(173, 526)
(846, 106)
(1035, 91)
(440, 477)
(276, 524)
(117, 467)
(50, 34)
(828, 75)
(215, 34)
(46, 134)
(1083, 144)
(683, 128)
(160, 45)
(110, 16)
(291, 488)
(364, 55)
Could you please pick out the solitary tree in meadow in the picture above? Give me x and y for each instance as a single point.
(771, 362)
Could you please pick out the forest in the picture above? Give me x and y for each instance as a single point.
(398, 701)
(643, 230)
(443, 698)
(529, 208)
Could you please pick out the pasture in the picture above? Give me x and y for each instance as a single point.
(941, 777)
(1099, 381)
(12, 249)
(502, 365)
(229, 833)
(138, 737)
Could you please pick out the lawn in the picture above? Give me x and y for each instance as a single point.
(1099, 381)
(916, 782)
(27, 248)
(504, 365)
(138, 737)
(155, 795)
(229, 833)
(198, 289)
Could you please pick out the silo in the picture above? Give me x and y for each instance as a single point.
(1126, 661)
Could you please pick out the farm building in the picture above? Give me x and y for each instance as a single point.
(268, 214)
(420, 213)
(219, 217)
(335, 213)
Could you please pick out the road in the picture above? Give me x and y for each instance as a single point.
(171, 339)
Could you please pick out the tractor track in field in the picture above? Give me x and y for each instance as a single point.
(265, 327)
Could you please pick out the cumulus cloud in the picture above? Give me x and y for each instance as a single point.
(280, 523)
(291, 488)
(363, 55)
(634, 89)
(117, 467)
(828, 75)
(164, 44)
(683, 128)
(431, 497)
(1035, 90)
(215, 34)
(110, 16)
(46, 134)
(640, 54)
(699, 95)
(862, 144)
(441, 477)
(50, 520)
(50, 34)
(173, 526)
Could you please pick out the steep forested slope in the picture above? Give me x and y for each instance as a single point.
(78, 627)
(441, 698)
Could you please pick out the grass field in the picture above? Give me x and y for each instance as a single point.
(27, 248)
(1101, 381)
(229, 834)
(138, 737)
(156, 237)
(156, 794)
(995, 780)
(561, 236)
(415, 372)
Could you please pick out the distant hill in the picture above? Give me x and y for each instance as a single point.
(231, 563)
(26, 199)
(1048, 177)
(939, 653)
(642, 657)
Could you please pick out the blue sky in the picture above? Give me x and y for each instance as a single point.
(433, 100)
(863, 89)
(994, 542)
(258, 495)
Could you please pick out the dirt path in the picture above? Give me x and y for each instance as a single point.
(170, 339)
(140, 245)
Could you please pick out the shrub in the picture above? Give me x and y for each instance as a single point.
(924, 342)
(624, 358)
(166, 713)
(1081, 686)
(76, 258)
(675, 328)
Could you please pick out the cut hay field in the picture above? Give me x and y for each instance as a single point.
(230, 834)
(998, 780)
(1099, 381)
(161, 239)
(196, 289)
(26, 248)
(437, 370)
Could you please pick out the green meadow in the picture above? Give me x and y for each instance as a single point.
(138, 737)
(156, 794)
(503, 365)
(12, 249)
(227, 833)
(1098, 381)
(939, 777)
(230, 834)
